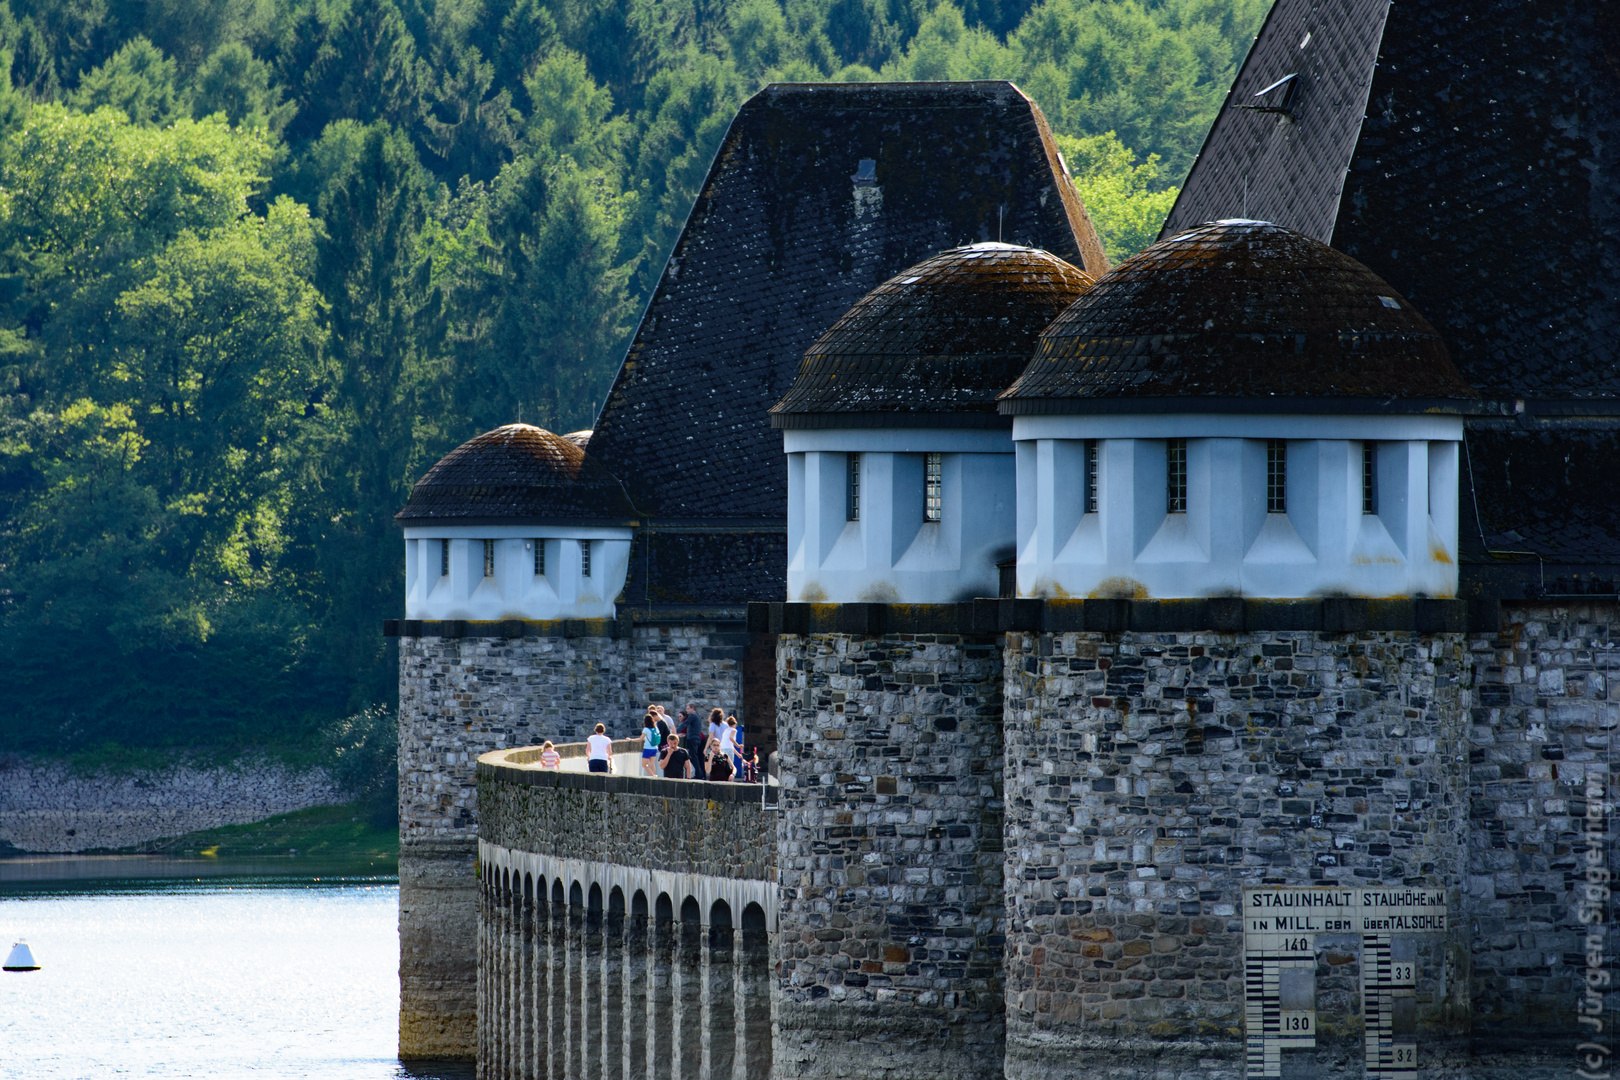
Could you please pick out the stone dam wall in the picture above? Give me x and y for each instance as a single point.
(1063, 841)
(624, 926)
(47, 806)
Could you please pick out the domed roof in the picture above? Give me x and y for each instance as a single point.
(934, 344)
(517, 474)
(1239, 316)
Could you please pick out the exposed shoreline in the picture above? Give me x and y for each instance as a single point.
(48, 806)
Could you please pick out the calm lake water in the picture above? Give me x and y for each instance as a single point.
(168, 970)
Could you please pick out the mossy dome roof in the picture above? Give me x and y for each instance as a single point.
(517, 474)
(934, 344)
(1239, 316)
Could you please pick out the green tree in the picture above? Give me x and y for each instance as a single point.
(1122, 198)
(366, 69)
(685, 115)
(236, 83)
(137, 80)
(571, 115)
(164, 345)
(192, 30)
(470, 125)
(390, 396)
(557, 295)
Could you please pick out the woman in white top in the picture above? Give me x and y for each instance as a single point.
(732, 742)
(728, 742)
(599, 750)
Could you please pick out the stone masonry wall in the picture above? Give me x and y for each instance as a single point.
(890, 896)
(1151, 777)
(462, 697)
(47, 806)
(1544, 726)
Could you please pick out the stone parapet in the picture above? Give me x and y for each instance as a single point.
(890, 917)
(1153, 778)
(682, 826)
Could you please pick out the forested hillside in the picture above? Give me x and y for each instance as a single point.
(262, 261)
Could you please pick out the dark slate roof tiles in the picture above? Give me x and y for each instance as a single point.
(936, 343)
(780, 243)
(1288, 167)
(1235, 313)
(517, 474)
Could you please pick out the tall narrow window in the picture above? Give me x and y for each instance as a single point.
(1091, 476)
(933, 498)
(1276, 476)
(1369, 478)
(539, 557)
(1175, 476)
(852, 489)
(584, 558)
(444, 558)
(489, 558)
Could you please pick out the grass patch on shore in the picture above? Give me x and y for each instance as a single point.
(342, 833)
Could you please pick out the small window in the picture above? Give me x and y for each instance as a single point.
(1091, 476)
(933, 501)
(584, 558)
(1369, 478)
(444, 558)
(1175, 476)
(852, 489)
(539, 558)
(1276, 476)
(489, 558)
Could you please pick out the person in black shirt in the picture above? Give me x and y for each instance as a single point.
(719, 768)
(677, 763)
(691, 732)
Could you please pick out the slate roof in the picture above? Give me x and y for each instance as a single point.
(1288, 167)
(517, 474)
(787, 233)
(935, 344)
(1482, 180)
(1234, 316)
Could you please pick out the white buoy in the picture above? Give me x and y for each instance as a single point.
(21, 958)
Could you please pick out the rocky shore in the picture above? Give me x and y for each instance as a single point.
(48, 806)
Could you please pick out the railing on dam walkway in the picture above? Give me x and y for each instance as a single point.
(624, 926)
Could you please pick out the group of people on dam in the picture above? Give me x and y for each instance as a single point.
(680, 749)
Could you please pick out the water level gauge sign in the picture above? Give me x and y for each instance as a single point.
(1280, 928)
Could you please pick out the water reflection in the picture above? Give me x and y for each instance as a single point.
(170, 967)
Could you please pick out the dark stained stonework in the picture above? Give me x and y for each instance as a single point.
(786, 235)
(889, 856)
(1239, 315)
(935, 344)
(517, 474)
